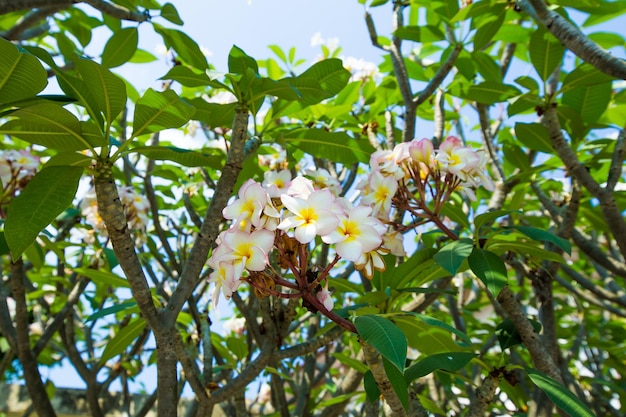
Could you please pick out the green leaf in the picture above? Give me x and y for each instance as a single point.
(329, 73)
(590, 102)
(47, 124)
(266, 87)
(385, 337)
(371, 387)
(103, 277)
(156, 111)
(486, 219)
(559, 395)
(398, 383)
(447, 361)
(431, 321)
(120, 47)
(525, 249)
(545, 236)
(407, 270)
(181, 156)
(534, 136)
(238, 346)
(546, 52)
(186, 48)
(189, 78)
(169, 12)
(451, 256)
(422, 34)
(507, 334)
(585, 75)
(128, 306)
(348, 360)
(213, 114)
(21, 74)
(69, 159)
(333, 146)
(489, 92)
(239, 62)
(46, 196)
(107, 89)
(488, 25)
(123, 339)
(490, 268)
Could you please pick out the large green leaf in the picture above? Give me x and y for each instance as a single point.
(333, 146)
(585, 75)
(330, 73)
(488, 24)
(385, 337)
(189, 78)
(447, 361)
(590, 101)
(185, 47)
(213, 114)
(46, 196)
(123, 339)
(534, 136)
(489, 92)
(546, 52)
(486, 219)
(182, 156)
(103, 277)
(21, 74)
(120, 47)
(490, 268)
(546, 236)
(451, 256)
(128, 307)
(239, 62)
(169, 12)
(560, 395)
(47, 124)
(407, 270)
(421, 34)
(107, 89)
(156, 111)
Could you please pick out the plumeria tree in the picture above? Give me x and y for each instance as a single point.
(438, 233)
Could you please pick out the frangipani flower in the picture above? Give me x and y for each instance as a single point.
(355, 234)
(380, 190)
(248, 249)
(310, 216)
(246, 210)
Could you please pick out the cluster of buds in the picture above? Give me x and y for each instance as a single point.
(135, 207)
(287, 216)
(16, 169)
(415, 177)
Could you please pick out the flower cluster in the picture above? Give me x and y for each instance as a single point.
(415, 173)
(135, 207)
(288, 215)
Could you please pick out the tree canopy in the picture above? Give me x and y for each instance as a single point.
(438, 233)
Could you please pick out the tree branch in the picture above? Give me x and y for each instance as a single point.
(213, 218)
(573, 38)
(541, 357)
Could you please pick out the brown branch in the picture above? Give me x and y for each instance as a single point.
(484, 395)
(36, 388)
(213, 218)
(23, 28)
(617, 161)
(439, 76)
(610, 209)
(540, 355)
(574, 39)
(111, 9)
(375, 362)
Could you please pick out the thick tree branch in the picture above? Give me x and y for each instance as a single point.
(540, 355)
(111, 9)
(375, 362)
(617, 161)
(23, 29)
(213, 218)
(484, 395)
(34, 384)
(610, 209)
(573, 38)
(439, 76)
